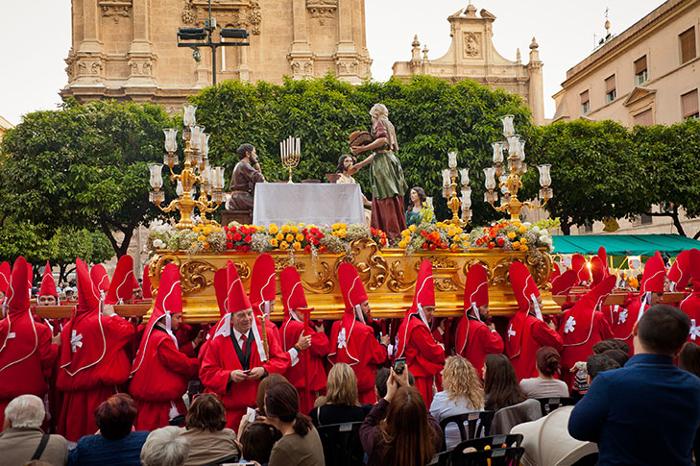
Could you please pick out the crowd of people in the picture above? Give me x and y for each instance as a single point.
(100, 389)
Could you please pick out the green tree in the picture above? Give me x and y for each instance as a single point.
(84, 166)
(596, 172)
(669, 156)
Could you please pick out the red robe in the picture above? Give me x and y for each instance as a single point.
(27, 357)
(363, 353)
(578, 344)
(160, 381)
(91, 374)
(310, 366)
(534, 334)
(626, 318)
(474, 340)
(220, 359)
(424, 357)
(691, 306)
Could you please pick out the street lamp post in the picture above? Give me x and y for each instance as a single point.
(185, 35)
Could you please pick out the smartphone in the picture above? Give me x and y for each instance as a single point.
(399, 365)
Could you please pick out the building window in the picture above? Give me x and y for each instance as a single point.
(646, 219)
(585, 103)
(689, 104)
(610, 91)
(640, 71)
(687, 41)
(644, 118)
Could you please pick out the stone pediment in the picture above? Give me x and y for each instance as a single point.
(638, 94)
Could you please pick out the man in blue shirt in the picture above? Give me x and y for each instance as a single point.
(648, 412)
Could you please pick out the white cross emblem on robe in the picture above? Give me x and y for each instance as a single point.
(342, 343)
(694, 330)
(511, 332)
(570, 325)
(75, 341)
(622, 317)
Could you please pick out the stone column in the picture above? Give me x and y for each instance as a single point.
(140, 54)
(87, 64)
(347, 61)
(300, 56)
(536, 86)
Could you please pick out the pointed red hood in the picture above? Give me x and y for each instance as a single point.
(563, 283)
(88, 295)
(578, 321)
(425, 289)
(476, 290)
(556, 272)
(681, 270)
(4, 277)
(580, 266)
(99, 277)
(654, 276)
(354, 294)
(48, 285)
(236, 297)
(168, 302)
(526, 294)
(221, 288)
(293, 296)
(262, 284)
(18, 292)
(598, 270)
(146, 288)
(123, 281)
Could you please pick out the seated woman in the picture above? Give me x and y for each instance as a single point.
(462, 394)
(500, 384)
(545, 385)
(340, 403)
(209, 440)
(257, 442)
(414, 214)
(347, 167)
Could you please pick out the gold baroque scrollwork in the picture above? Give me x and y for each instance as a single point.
(540, 265)
(398, 281)
(193, 276)
(499, 273)
(370, 263)
(323, 282)
(243, 269)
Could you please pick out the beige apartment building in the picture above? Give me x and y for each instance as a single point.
(4, 126)
(127, 49)
(472, 55)
(648, 74)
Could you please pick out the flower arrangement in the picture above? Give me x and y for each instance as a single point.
(511, 235)
(239, 237)
(379, 237)
(201, 238)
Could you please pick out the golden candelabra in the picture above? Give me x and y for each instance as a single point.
(196, 172)
(290, 154)
(449, 192)
(510, 183)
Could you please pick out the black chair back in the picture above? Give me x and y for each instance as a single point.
(550, 404)
(494, 457)
(470, 425)
(493, 441)
(341, 444)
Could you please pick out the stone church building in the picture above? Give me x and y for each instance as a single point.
(128, 48)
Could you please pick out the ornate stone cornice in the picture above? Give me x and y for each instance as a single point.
(322, 9)
(245, 14)
(115, 9)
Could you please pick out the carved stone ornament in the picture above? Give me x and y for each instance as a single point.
(322, 9)
(245, 14)
(70, 64)
(302, 68)
(141, 67)
(472, 44)
(115, 9)
(347, 67)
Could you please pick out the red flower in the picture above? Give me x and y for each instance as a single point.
(237, 237)
(229, 245)
(432, 247)
(500, 242)
(425, 246)
(491, 245)
(245, 248)
(232, 229)
(248, 238)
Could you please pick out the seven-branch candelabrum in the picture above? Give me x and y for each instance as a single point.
(509, 178)
(449, 191)
(196, 173)
(290, 154)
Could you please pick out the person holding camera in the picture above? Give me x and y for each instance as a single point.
(399, 429)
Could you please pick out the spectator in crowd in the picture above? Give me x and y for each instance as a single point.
(22, 435)
(689, 359)
(547, 442)
(545, 385)
(115, 443)
(205, 430)
(340, 404)
(382, 378)
(500, 384)
(611, 343)
(647, 412)
(619, 356)
(300, 444)
(165, 447)
(462, 394)
(399, 430)
(257, 442)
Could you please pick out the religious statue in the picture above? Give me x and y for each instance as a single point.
(348, 166)
(388, 183)
(245, 175)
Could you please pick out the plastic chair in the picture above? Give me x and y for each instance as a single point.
(494, 457)
(493, 441)
(550, 404)
(478, 424)
(341, 444)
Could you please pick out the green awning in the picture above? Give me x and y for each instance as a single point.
(624, 245)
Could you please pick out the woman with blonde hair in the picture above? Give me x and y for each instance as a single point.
(340, 404)
(462, 394)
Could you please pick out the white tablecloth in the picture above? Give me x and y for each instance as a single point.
(310, 203)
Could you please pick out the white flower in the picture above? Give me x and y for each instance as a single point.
(158, 243)
(536, 229)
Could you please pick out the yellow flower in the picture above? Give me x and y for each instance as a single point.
(403, 244)
(300, 237)
(273, 229)
(274, 243)
(279, 237)
(523, 240)
(454, 247)
(201, 238)
(284, 245)
(296, 245)
(285, 229)
(524, 248)
(516, 245)
(522, 229)
(295, 229)
(205, 245)
(511, 235)
(412, 228)
(289, 238)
